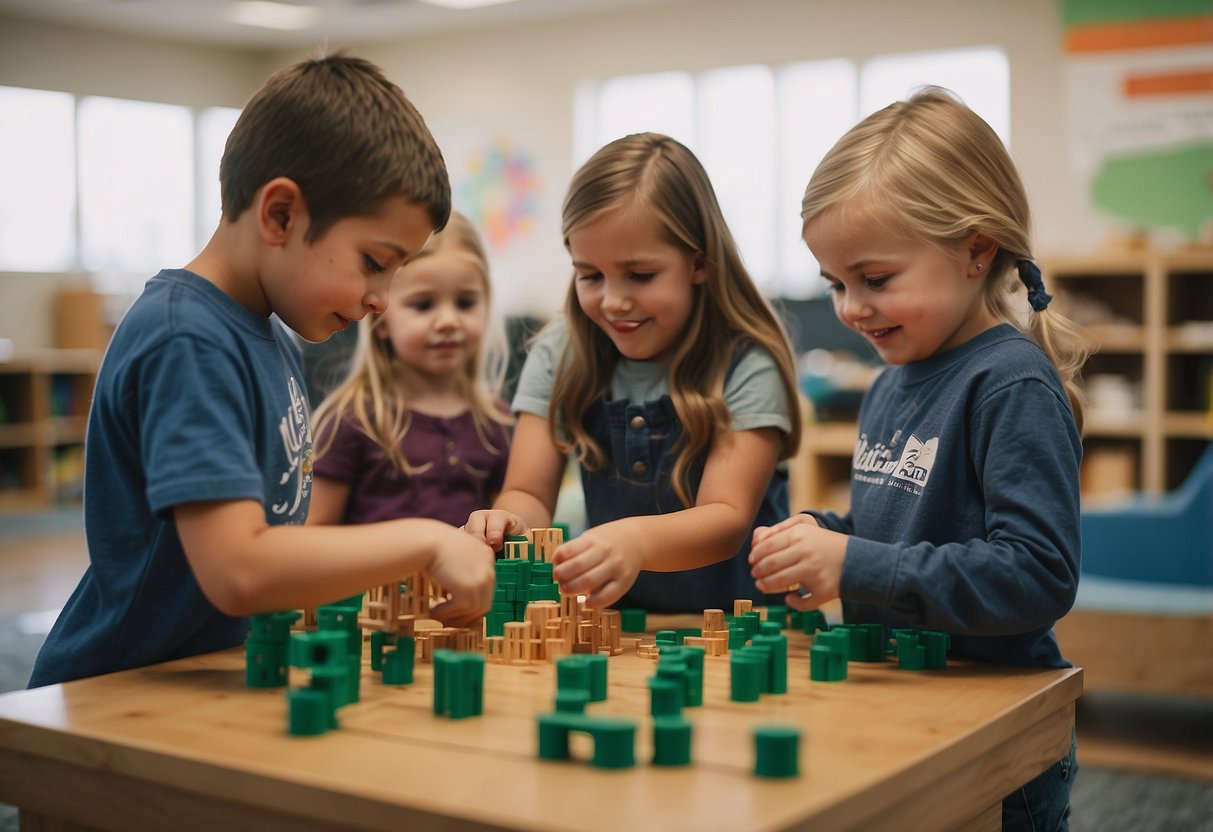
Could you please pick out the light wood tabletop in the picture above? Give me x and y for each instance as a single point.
(185, 745)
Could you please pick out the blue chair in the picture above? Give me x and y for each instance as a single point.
(1164, 540)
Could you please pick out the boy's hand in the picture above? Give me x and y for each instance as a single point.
(799, 552)
(598, 564)
(463, 566)
(493, 526)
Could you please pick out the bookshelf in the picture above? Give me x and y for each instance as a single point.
(44, 401)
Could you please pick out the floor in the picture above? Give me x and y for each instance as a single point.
(1146, 762)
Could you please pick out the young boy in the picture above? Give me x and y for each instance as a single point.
(198, 472)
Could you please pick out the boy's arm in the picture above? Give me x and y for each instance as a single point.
(245, 566)
(329, 498)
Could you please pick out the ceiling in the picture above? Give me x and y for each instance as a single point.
(337, 21)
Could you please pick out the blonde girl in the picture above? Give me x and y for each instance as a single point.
(668, 378)
(416, 429)
(964, 480)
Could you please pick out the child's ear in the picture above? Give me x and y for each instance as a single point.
(982, 251)
(280, 210)
(699, 269)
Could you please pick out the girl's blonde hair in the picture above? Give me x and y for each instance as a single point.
(933, 167)
(375, 398)
(728, 314)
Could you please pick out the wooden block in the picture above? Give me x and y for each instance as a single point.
(741, 606)
(713, 620)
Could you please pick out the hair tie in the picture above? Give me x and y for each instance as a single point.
(1029, 273)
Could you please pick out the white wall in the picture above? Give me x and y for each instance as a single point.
(519, 82)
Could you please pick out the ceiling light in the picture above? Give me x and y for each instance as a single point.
(465, 4)
(269, 15)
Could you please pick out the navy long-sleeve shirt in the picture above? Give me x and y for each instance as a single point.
(964, 501)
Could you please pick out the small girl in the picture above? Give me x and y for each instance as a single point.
(669, 379)
(416, 429)
(964, 480)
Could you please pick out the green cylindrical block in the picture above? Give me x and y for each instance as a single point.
(776, 751)
(745, 676)
(308, 712)
(671, 741)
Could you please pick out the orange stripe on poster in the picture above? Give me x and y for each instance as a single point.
(1144, 34)
(1172, 83)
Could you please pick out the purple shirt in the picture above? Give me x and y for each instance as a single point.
(460, 476)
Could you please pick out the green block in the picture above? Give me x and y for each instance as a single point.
(342, 619)
(827, 663)
(271, 626)
(458, 684)
(379, 640)
(682, 632)
(666, 637)
(614, 739)
(749, 622)
(671, 741)
(632, 620)
(308, 712)
(777, 681)
(398, 664)
(777, 614)
(335, 684)
(265, 664)
(572, 700)
(776, 751)
(319, 649)
(737, 637)
(812, 621)
(665, 696)
(745, 676)
(766, 653)
(598, 676)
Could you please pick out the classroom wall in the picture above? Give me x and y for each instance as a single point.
(519, 82)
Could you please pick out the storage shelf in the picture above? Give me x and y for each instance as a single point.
(46, 396)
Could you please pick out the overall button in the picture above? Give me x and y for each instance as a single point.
(639, 468)
(450, 446)
(637, 422)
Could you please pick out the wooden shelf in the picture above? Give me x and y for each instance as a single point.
(1158, 341)
(45, 396)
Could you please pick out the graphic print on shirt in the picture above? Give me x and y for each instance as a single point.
(296, 433)
(916, 461)
(873, 462)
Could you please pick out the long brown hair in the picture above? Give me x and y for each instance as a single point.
(665, 179)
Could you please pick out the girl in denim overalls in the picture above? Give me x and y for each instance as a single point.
(669, 379)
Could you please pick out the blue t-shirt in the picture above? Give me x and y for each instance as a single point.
(197, 399)
(964, 500)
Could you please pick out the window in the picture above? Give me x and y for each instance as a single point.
(136, 188)
(120, 188)
(760, 132)
(38, 169)
(214, 125)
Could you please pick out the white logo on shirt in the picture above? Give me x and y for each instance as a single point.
(916, 461)
(295, 431)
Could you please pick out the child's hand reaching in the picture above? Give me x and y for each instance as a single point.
(598, 564)
(493, 526)
(463, 567)
(799, 551)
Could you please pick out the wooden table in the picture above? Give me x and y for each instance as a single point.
(185, 745)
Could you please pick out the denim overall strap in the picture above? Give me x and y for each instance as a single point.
(639, 443)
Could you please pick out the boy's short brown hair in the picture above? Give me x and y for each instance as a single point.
(344, 133)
